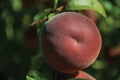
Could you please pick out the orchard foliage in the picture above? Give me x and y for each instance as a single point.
(21, 22)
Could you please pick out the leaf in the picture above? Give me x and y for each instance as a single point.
(55, 3)
(16, 5)
(29, 78)
(37, 61)
(40, 15)
(51, 15)
(86, 5)
(35, 75)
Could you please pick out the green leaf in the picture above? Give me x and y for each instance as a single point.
(51, 15)
(35, 75)
(37, 61)
(86, 5)
(40, 15)
(55, 3)
(16, 5)
(29, 78)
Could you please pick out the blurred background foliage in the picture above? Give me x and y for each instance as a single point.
(19, 42)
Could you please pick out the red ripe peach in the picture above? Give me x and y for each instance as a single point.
(70, 42)
(84, 75)
(80, 74)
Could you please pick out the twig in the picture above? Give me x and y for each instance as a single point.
(40, 21)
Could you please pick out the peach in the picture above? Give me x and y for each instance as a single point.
(80, 74)
(70, 42)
